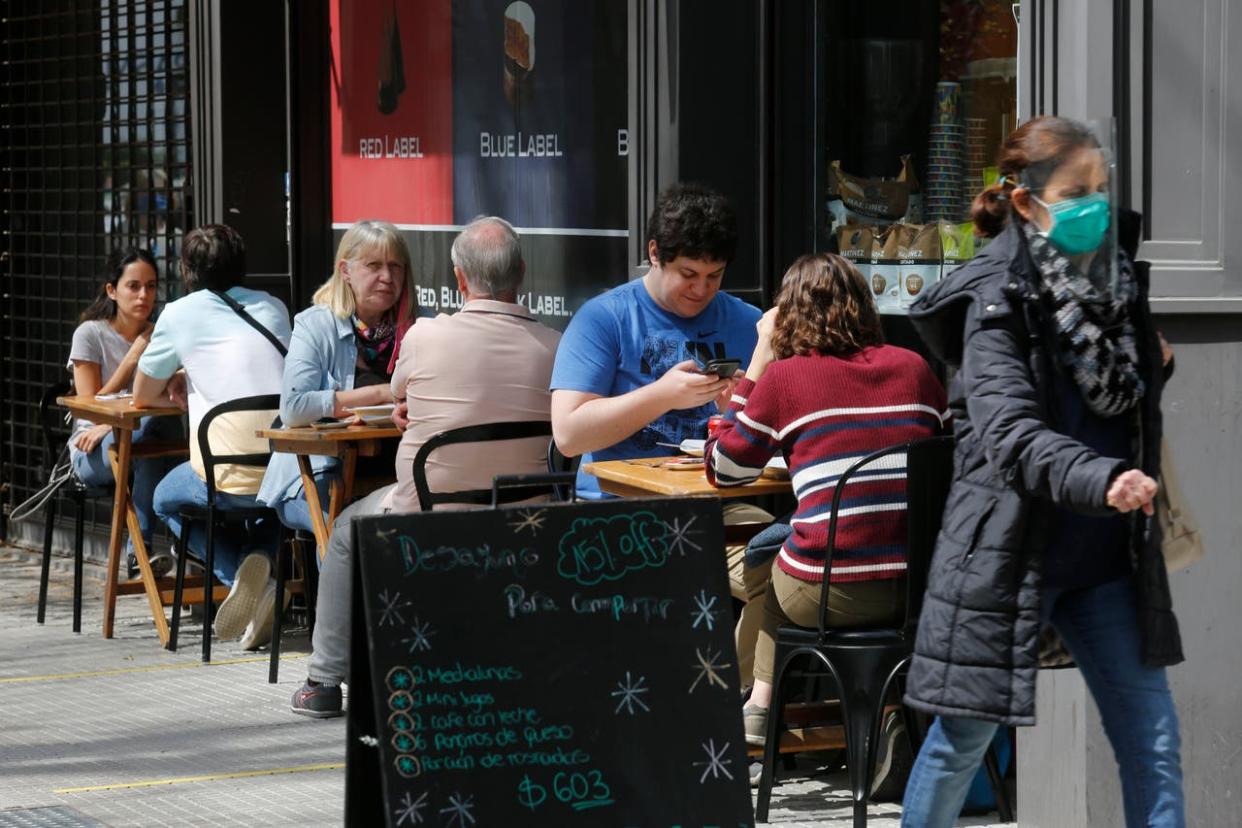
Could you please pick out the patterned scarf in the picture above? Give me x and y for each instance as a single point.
(1095, 336)
(376, 343)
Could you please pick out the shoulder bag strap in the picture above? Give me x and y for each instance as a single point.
(252, 322)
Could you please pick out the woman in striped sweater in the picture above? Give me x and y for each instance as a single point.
(823, 390)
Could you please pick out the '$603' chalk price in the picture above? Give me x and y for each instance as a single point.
(579, 791)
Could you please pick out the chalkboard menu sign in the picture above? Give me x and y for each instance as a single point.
(564, 664)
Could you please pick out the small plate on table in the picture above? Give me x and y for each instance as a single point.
(374, 414)
(776, 469)
(330, 425)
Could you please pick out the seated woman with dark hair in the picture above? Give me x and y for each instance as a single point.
(824, 391)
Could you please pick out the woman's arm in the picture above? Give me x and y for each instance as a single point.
(746, 438)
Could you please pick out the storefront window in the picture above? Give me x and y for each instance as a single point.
(444, 111)
(919, 99)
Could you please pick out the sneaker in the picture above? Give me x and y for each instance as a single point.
(238, 609)
(755, 723)
(162, 563)
(756, 773)
(893, 761)
(259, 630)
(319, 701)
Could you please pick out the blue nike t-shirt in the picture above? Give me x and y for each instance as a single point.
(622, 340)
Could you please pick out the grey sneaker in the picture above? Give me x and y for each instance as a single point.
(319, 701)
(756, 773)
(249, 585)
(259, 630)
(755, 723)
(162, 563)
(893, 761)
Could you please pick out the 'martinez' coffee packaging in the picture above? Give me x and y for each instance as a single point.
(886, 268)
(918, 248)
(854, 242)
(957, 243)
(858, 200)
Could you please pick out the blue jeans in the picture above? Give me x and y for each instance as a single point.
(94, 469)
(183, 487)
(1099, 627)
(295, 513)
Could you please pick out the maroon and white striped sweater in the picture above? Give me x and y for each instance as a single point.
(824, 413)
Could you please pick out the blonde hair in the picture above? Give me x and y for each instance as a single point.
(362, 237)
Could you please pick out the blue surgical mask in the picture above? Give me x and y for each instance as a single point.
(1078, 224)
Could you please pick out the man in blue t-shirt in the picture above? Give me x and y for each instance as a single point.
(626, 377)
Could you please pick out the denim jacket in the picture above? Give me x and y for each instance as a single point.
(322, 357)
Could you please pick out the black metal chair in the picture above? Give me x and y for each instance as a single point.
(560, 464)
(212, 516)
(516, 487)
(301, 543)
(55, 435)
(866, 664)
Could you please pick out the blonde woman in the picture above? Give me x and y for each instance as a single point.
(342, 355)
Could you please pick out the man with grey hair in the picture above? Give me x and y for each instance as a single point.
(489, 362)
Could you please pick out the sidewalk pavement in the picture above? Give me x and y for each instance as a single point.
(121, 732)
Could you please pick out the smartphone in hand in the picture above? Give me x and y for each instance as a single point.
(723, 368)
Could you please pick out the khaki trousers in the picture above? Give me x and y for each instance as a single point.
(790, 599)
(747, 585)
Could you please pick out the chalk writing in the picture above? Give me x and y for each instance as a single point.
(482, 559)
(596, 549)
(581, 791)
(458, 674)
(518, 602)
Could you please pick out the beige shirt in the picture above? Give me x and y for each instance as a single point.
(490, 362)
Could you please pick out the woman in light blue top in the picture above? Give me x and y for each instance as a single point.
(342, 354)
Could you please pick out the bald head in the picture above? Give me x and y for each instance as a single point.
(489, 258)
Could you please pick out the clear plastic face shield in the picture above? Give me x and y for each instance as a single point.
(1072, 201)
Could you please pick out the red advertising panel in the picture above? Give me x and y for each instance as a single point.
(392, 111)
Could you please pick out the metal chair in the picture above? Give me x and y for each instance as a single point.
(527, 487)
(560, 464)
(213, 516)
(55, 436)
(866, 664)
(301, 542)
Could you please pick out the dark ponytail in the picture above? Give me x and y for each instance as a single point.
(1027, 158)
(104, 307)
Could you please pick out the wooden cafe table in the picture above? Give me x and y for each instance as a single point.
(124, 418)
(651, 476)
(346, 443)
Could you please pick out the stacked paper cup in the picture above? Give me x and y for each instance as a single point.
(945, 152)
(976, 159)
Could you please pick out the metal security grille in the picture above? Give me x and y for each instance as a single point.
(94, 117)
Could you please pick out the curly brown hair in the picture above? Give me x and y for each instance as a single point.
(824, 305)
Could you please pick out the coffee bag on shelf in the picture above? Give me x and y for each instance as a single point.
(886, 268)
(919, 251)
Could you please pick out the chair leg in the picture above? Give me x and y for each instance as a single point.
(79, 531)
(310, 584)
(997, 780)
(209, 583)
(864, 685)
(49, 521)
(771, 744)
(273, 664)
(183, 552)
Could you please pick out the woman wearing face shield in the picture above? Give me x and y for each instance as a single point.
(1048, 542)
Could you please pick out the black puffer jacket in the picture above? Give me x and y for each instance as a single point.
(978, 644)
